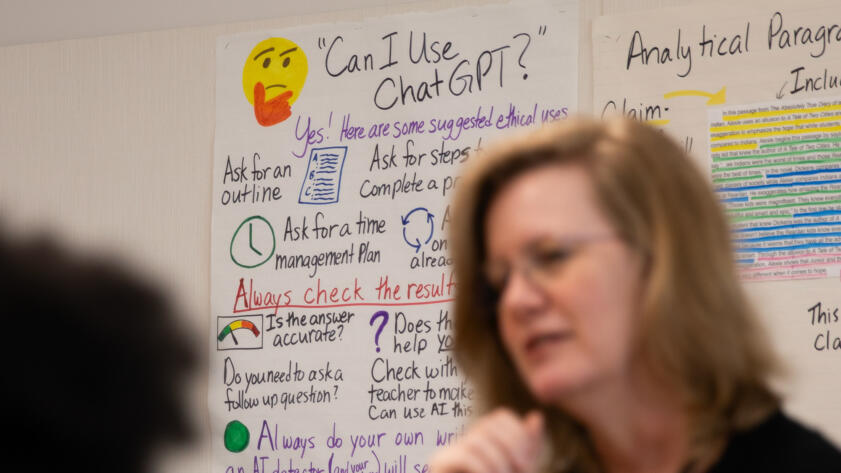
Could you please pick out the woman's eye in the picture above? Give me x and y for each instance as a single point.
(551, 258)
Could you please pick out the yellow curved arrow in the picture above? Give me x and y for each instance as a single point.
(717, 98)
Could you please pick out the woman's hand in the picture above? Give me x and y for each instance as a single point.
(500, 442)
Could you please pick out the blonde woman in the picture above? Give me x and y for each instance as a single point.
(599, 317)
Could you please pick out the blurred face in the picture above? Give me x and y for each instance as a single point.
(568, 287)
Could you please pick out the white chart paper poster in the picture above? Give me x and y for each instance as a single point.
(751, 91)
(337, 150)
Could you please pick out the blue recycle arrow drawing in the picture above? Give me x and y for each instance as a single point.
(416, 244)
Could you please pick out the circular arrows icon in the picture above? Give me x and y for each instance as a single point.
(415, 241)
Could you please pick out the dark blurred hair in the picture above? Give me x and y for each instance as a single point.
(95, 362)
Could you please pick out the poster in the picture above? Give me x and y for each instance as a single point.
(776, 168)
(337, 150)
(751, 92)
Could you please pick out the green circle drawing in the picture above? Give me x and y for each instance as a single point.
(236, 436)
(251, 242)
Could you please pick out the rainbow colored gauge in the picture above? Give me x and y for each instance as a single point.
(236, 325)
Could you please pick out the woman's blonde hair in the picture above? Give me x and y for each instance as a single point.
(698, 332)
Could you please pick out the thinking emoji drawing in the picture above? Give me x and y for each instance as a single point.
(272, 79)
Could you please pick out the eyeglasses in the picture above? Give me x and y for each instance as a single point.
(541, 262)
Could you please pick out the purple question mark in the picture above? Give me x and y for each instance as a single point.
(379, 314)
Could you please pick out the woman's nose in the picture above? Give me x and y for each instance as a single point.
(521, 296)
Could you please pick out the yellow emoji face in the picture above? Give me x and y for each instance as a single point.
(277, 66)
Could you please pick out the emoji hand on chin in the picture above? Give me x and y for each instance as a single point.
(271, 112)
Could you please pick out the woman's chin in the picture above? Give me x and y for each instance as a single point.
(552, 386)
(549, 388)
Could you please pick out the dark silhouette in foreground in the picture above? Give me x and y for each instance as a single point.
(95, 362)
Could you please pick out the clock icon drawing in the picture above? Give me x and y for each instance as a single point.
(253, 242)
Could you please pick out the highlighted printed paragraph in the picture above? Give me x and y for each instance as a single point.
(777, 170)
